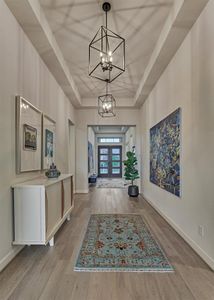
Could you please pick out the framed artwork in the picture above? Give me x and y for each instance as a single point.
(165, 153)
(28, 136)
(90, 157)
(49, 141)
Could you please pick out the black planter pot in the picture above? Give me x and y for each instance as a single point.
(133, 191)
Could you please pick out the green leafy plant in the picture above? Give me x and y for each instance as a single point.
(131, 173)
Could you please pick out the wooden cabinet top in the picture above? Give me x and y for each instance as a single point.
(41, 181)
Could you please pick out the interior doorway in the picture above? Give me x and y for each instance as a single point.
(110, 161)
(107, 147)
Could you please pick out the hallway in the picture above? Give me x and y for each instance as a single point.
(93, 109)
(40, 272)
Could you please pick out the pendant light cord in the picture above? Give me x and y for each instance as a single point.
(106, 87)
(106, 33)
(106, 19)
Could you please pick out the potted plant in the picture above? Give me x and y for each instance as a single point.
(131, 173)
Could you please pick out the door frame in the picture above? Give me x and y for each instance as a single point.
(110, 175)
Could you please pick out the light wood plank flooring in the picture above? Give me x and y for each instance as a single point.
(40, 272)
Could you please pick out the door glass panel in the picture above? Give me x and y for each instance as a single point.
(103, 157)
(115, 157)
(109, 164)
(116, 164)
(103, 164)
(116, 151)
(115, 171)
(110, 140)
(104, 151)
(103, 171)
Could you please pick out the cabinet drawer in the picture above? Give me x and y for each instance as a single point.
(67, 184)
(53, 206)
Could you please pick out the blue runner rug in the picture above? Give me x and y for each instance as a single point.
(121, 243)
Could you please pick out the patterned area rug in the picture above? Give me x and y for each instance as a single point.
(111, 183)
(120, 243)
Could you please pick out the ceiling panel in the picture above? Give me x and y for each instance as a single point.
(109, 129)
(75, 23)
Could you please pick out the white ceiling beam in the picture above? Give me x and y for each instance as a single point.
(30, 16)
(182, 16)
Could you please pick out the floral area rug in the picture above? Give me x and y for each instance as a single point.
(121, 243)
(111, 183)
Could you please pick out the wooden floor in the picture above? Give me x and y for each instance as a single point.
(40, 272)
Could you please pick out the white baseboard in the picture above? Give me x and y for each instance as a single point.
(81, 191)
(7, 259)
(192, 243)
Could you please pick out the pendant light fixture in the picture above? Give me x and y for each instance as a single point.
(106, 52)
(106, 104)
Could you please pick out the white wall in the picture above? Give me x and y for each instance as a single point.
(87, 117)
(23, 73)
(188, 83)
(130, 139)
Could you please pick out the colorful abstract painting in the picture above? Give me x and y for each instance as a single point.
(165, 153)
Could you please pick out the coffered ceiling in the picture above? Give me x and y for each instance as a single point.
(75, 22)
(109, 129)
(61, 31)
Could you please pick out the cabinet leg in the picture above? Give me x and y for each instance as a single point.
(68, 217)
(51, 242)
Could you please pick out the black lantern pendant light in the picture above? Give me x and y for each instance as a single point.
(106, 104)
(106, 53)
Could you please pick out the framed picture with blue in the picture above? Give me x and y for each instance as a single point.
(165, 147)
(49, 141)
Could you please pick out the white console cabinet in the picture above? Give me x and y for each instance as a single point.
(40, 208)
